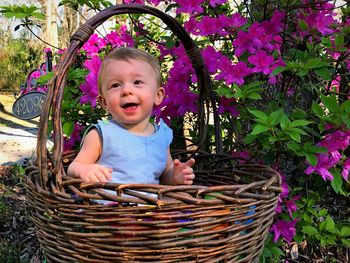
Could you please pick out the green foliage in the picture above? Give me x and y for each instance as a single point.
(317, 225)
(272, 251)
(92, 4)
(17, 59)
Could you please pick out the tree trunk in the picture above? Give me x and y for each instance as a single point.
(70, 24)
(50, 31)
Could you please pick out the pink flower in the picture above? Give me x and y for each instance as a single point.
(262, 62)
(320, 18)
(207, 26)
(212, 59)
(227, 106)
(192, 6)
(74, 138)
(324, 162)
(274, 25)
(284, 229)
(191, 26)
(249, 41)
(291, 205)
(93, 45)
(242, 156)
(134, 2)
(89, 88)
(155, 2)
(338, 140)
(214, 3)
(232, 73)
(346, 169)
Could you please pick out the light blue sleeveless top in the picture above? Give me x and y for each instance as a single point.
(134, 158)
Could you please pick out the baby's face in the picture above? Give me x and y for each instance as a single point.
(129, 91)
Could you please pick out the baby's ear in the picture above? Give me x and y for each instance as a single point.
(159, 96)
(102, 101)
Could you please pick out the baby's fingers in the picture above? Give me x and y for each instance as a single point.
(106, 171)
(190, 162)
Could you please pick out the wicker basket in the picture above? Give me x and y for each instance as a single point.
(224, 217)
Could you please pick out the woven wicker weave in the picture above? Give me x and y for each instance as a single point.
(224, 217)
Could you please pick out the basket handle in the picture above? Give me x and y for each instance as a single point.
(53, 102)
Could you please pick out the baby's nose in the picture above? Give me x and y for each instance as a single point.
(126, 89)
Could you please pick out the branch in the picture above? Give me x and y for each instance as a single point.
(42, 40)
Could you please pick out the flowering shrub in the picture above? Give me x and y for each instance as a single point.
(280, 71)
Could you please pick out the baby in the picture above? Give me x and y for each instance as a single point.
(128, 148)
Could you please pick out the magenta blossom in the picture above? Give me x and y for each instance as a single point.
(212, 59)
(275, 24)
(284, 229)
(261, 61)
(232, 73)
(193, 6)
(227, 106)
(346, 169)
(241, 155)
(89, 88)
(93, 45)
(73, 139)
(324, 162)
(249, 41)
(191, 26)
(214, 3)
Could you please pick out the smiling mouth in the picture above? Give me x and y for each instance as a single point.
(130, 105)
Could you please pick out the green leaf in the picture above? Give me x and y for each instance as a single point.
(310, 230)
(259, 128)
(315, 63)
(346, 242)
(254, 96)
(294, 135)
(68, 128)
(276, 251)
(330, 225)
(259, 114)
(346, 120)
(323, 72)
(297, 123)
(285, 122)
(300, 131)
(315, 149)
(337, 182)
(39, 15)
(311, 158)
(323, 212)
(278, 70)
(345, 106)
(317, 109)
(275, 117)
(294, 147)
(339, 41)
(330, 102)
(326, 41)
(249, 138)
(345, 231)
(303, 25)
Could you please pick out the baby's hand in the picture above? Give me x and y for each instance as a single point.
(94, 173)
(183, 172)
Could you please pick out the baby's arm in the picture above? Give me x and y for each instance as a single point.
(84, 165)
(177, 173)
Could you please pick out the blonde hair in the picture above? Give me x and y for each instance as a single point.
(125, 54)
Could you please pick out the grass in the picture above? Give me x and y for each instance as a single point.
(6, 117)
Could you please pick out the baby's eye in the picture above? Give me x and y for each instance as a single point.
(115, 85)
(138, 82)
